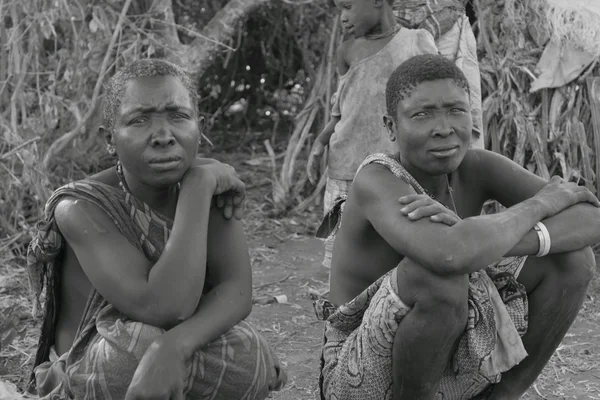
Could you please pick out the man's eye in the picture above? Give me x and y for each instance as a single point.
(420, 114)
(458, 110)
(179, 116)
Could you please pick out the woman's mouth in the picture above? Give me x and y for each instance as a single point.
(444, 152)
(165, 162)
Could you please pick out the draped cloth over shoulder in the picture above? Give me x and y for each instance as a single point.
(356, 360)
(108, 346)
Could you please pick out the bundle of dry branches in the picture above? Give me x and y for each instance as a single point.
(550, 131)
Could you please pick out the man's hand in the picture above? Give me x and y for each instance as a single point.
(313, 160)
(558, 195)
(229, 190)
(418, 206)
(160, 374)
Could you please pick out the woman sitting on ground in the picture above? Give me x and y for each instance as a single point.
(147, 282)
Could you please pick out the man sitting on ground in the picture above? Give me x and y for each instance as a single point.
(430, 299)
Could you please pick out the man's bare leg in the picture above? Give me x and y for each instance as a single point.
(556, 287)
(426, 336)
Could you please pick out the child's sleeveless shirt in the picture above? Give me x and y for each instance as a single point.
(361, 96)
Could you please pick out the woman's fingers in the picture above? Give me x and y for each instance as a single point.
(587, 196)
(412, 197)
(426, 211)
(445, 218)
(417, 204)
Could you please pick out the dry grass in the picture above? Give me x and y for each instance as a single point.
(549, 132)
(573, 370)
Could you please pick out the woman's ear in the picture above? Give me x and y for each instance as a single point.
(109, 140)
(390, 126)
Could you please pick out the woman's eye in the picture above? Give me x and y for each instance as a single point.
(138, 120)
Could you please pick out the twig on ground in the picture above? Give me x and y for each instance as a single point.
(538, 392)
(273, 283)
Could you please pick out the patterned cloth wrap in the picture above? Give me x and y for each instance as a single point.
(108, 345)
(356, 361)
(335, 190)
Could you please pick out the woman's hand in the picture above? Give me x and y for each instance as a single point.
(558, 195)
(418, 206)
(222, 178)
(159, 375)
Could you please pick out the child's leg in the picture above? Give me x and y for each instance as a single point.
(334, 189)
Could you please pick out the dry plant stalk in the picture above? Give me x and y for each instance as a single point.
(549, 132)
(288, 186)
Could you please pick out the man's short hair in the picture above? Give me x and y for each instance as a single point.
(418, 69)
(114, 89)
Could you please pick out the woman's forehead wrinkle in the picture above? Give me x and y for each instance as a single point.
(171, 103)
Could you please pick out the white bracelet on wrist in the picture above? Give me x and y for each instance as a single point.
(544, 239)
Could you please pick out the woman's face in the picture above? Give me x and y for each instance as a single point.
(156, 131)
(433, 127)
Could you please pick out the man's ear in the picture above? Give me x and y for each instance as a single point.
(390, 126)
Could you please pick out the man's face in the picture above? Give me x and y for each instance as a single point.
(156, 131)
(358, 17)
(433, 127)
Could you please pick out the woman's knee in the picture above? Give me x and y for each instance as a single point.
(440, 295)
(575, 267)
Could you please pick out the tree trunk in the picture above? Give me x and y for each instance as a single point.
(195, 57)
(200, 53)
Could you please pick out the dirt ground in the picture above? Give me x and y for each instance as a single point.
(572, 373)
(286, 260)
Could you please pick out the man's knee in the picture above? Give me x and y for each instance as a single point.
(442, 296)
(575, 268)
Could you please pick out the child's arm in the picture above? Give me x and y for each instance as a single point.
(326, 133)
(342, 65)
(319, 148)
